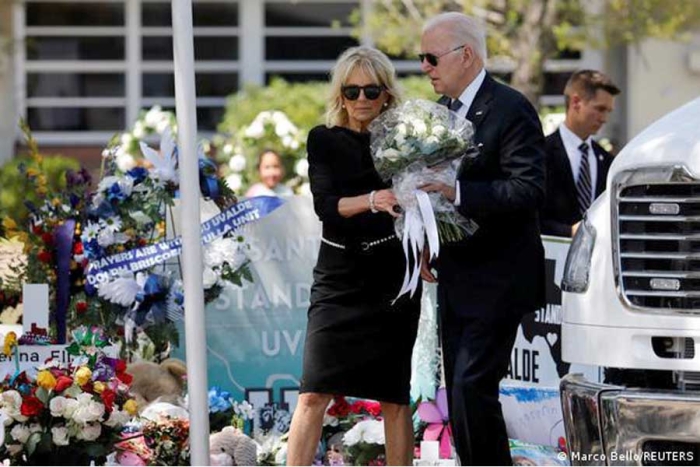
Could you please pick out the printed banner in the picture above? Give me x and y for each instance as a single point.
(236, 216)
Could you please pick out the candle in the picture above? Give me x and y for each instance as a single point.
(430, 451)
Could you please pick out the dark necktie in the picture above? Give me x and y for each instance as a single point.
(455, 105)
(583, 184)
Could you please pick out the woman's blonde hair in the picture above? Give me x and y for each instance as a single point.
(375, 64)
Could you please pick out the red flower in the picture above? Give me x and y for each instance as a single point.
(78, 248)
(31, 406)
(44, 256)
(122, 375)
(81, 307)
(62, 383)
(108, 396)
(47, 238)
(340, 408)
(373, 408)
(37, 230)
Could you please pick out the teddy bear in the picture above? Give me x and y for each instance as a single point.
(231, 447)
(164, 382)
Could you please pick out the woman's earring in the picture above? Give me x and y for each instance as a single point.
(342, 105)
(386, 104)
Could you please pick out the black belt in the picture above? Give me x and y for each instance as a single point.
(362, 246)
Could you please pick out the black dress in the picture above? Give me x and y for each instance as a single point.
(357, 343)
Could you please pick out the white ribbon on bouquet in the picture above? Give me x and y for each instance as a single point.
(419, 223)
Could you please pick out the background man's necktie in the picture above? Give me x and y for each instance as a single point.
(455, 105)
(584, 189)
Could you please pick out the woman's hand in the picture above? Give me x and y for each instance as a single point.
(384, 200)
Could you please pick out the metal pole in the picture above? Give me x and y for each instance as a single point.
(195, 334)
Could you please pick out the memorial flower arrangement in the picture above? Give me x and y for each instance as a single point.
(419, 142)
(69, 414)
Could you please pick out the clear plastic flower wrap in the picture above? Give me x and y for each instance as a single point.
(420, 142)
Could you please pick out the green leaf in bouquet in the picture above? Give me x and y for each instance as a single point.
(43, 395)
(33, 442)
(96, 450)
(73, 391)
(73, 349)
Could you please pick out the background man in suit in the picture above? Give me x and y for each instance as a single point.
(489, 281)
(577, 166)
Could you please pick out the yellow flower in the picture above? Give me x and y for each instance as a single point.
(9, 223)
(82, 376)
(10, 343)
(32, 172)
(131, 407)
(99, 387)
(46, 380)
(56, 202)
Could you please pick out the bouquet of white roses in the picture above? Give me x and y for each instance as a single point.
(417, 143)
(420, 142)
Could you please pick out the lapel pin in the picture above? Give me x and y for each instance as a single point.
(478, 112)
(479, 145)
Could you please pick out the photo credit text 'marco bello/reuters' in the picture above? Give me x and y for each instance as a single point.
(635, 457)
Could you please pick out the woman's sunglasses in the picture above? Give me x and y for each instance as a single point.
(433, 59)
(352, 92)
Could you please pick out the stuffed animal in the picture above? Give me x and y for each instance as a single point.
(164, 382)
(231, 447)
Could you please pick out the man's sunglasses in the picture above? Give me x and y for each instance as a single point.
(352, 92)
(432, 59)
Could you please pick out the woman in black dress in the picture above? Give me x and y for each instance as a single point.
(357, 343)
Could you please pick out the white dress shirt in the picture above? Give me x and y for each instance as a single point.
(467, 98)
(571, 143)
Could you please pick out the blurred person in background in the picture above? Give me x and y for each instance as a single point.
(271, 173)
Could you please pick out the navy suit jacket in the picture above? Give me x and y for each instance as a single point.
(502, 189)
(560, 209)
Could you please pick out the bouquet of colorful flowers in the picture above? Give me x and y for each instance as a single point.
(67, 415)
(353, 432)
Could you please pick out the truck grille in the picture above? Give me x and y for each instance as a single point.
(658, 235)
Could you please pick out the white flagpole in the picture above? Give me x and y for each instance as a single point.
(195, 334)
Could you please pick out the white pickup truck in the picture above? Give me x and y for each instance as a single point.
(631, 303)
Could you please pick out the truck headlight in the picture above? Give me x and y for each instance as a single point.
(578, 261)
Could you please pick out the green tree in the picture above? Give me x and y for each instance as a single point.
(529, 32)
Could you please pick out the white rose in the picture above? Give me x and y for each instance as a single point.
(69, 408)
(237, 163)
(125, 161)
(58, 406)
(126, 139)
(90, 432)
(302, 168)
(255, 129)
(209, 278)
(432, 140)
(234, 181)
(294, 145)
(391, 154)
(139, 131)
(399, 138)
(20, 433)
(402, 129)
(419, 127)
(117, 418)
(163, 124)
(287, 141)
(87, 412)
(10, 399)
(105, 238)
(439, 130)
(60, 435)
(228, 148)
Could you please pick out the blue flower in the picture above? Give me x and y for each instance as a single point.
(219, 401)
(139, 174)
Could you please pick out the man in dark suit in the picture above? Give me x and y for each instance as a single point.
(487, 282)
(577, 166)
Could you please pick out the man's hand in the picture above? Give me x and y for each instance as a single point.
(447, 191)
(425, 271)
